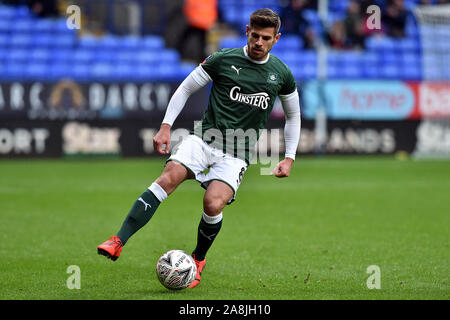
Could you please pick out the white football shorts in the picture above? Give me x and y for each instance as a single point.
(197, 156)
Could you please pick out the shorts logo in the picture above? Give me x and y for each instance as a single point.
(241, 175)
(260, 99)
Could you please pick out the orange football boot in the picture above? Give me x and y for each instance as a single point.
(111, 248)
(200, 267)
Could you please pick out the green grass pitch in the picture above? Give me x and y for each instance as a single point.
(310, 236)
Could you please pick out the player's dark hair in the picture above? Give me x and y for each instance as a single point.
(265, 18)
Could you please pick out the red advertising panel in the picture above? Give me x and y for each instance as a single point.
(434, 99)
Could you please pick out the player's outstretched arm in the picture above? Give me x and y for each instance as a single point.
(193, 82)
(291, 107)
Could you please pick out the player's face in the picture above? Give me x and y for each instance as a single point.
(260, 41)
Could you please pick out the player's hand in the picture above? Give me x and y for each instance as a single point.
(283, 168)
(161, 141)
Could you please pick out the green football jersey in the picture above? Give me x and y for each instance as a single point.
(241, 99)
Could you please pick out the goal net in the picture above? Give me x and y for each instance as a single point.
(434, 26)
(433, 133)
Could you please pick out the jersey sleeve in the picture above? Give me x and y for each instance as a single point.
(211, 64)
(289, 84)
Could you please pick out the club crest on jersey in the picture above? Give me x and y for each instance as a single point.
(272, 78)
(260, 100)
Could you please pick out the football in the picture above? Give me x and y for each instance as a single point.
(176, 269)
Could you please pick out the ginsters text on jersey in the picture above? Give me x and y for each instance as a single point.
(260, 99)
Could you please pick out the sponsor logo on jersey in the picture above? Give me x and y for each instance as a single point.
(260, 100)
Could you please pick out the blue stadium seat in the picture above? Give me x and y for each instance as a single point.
(3, 74)
(83, 55)
(130, 42)
(21, 40)
(89, 42)
(232, 42)
(102, 71)
(332, 57)
(370, 71)
(244, 14)
(351, 71)
(186, 68)
(410, 59)
(14, 70)
(390, 71)
(60, 70)
(290, 42)
(44, 26)
(411, 28)
(166, 72)
(370, 57)
(351, 57)
(146, 56)
(152, 42)
(279, 51)
(125, 71)
(60, 26)
(169, 56)
(308, 57)
(380, 43)
(144, 72)
(23, 25)
(411, 72)
(231, 14)
(62, 55)
(80, 71)
(391, 57)
(4, 40)
(36, 71)
(43, 40)
(288, 56)
(5, 26)
(3, 54)
(7, 12)
(408, 44)
(109, 42)
(40, 55)
(310, 71)
(107, 56)
(20, 55)
(124, 55)
(333, 71)
(333, 17)
(311, 15)
(22, 12)
(64, 40)
(297, 71)
(338, 6)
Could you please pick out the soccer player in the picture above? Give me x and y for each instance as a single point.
(246, 82)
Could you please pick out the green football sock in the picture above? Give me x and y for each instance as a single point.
(139, 215)
(208, 229)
